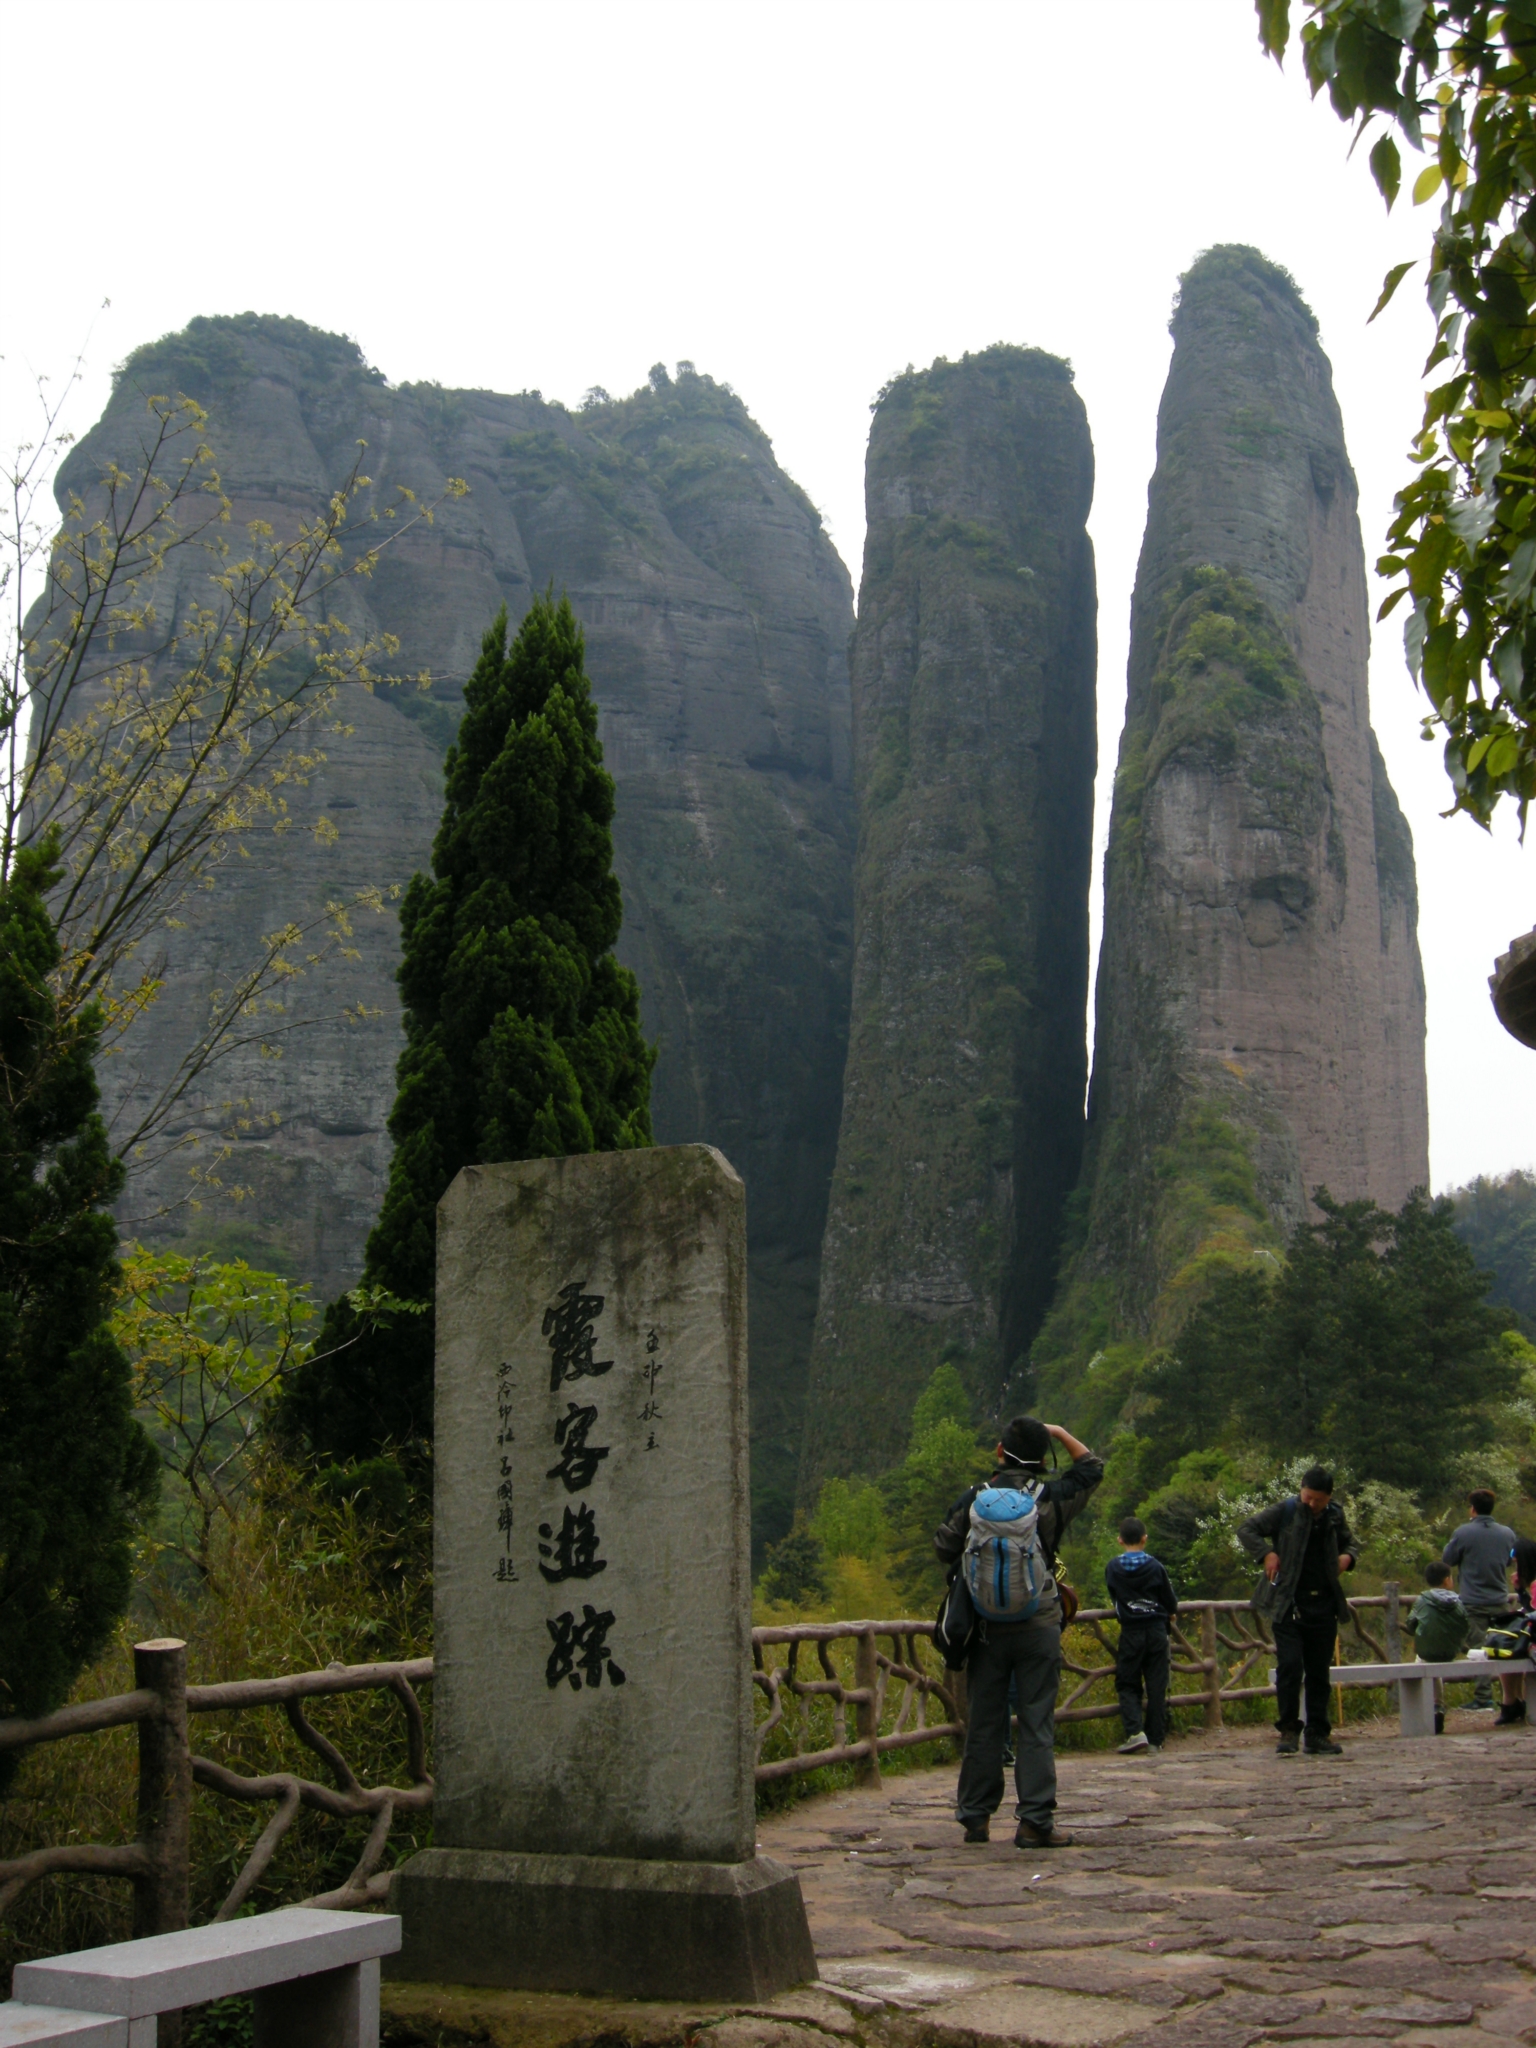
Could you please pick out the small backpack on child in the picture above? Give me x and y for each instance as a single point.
(1004, 1565)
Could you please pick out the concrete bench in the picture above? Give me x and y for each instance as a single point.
(315, 1976)
(1414, 1682)
(43, 2026)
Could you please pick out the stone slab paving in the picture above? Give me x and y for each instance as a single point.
(1220, 1897)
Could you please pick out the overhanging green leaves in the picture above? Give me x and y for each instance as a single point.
(1457, 82)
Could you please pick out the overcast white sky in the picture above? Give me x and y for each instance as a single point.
(801, 198)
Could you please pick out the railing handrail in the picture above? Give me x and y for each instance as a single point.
(301, 1685)
(85, 1718)
(121, 1710)
(168, 1769)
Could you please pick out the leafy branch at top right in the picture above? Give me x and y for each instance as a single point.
(1457, 83)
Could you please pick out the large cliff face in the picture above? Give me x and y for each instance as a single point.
(1260, 1027)
(973, 680)
(717, 617)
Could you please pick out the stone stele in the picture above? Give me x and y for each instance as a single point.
(594, 1827)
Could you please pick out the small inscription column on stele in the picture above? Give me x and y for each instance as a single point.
(592, 1593)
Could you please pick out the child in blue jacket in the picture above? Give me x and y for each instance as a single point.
(1144, 1599)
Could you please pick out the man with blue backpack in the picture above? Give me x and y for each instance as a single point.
(1001, 1539)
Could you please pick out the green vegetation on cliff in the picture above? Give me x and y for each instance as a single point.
(522, 1031)
(1224, 665)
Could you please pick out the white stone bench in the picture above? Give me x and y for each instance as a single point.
(315, 1976)
(1414, 1682)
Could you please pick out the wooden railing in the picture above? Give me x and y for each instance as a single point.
(157, 1863)
(900, 1694)
(1218, 1642)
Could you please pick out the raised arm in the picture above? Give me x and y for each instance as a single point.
(1068, 1442)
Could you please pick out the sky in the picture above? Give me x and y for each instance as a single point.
(799, 198)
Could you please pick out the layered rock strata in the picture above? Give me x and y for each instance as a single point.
(1260, 1001)
(717, 617)
(973, 681)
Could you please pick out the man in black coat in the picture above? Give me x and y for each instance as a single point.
(1303, 1543)
(1025, 1653)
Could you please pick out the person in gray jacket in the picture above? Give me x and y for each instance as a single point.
(1303, 1543)
(1480, 1550)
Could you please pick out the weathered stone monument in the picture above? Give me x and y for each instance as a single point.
(594, 1825)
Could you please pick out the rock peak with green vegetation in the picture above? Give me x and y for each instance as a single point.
(1260, 1003)
(973, 679)
(716, 617)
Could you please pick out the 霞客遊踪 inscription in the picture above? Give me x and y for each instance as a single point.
(590, 1477)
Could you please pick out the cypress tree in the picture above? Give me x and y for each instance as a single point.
(522, 1031)
(77, 1473)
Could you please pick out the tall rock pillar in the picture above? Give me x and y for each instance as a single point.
(973, 691)
(1260, 999)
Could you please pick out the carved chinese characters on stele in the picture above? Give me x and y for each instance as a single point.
(592, 1593)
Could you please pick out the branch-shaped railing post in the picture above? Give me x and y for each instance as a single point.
(1393, 1630)
(866, 1709)
(1209, 1659)
(162, 1896)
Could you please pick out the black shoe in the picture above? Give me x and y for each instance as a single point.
(1288, 1744)
(1439, 1724)
(977, 1831)
(1028, 1836)
(1324, 1748)
(1009, 1759)
(1511, 1714)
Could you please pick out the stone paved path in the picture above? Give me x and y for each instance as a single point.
(1221, 1897)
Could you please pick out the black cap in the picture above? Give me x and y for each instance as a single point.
(1025, 1441)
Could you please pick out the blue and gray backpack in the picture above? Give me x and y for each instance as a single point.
(1004, 1563)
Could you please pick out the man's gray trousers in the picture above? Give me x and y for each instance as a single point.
(1030, 1653)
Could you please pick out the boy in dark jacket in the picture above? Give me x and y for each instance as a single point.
(1144, 1599)
(1439, 1625)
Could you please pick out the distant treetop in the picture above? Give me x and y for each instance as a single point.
(1238, 262)
(209, 350)
(1002, 356)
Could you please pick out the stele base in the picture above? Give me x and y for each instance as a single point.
(601, 1925)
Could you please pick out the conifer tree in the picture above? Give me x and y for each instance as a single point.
(522, 1031)
(77, 1473)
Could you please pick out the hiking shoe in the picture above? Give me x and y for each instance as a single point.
(1132, 1743)
(1511, 1714)
(977, 1831)
(1028, 1836)
(1287, 1745)
(1324, 1748)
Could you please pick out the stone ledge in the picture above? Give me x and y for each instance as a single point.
(999, 2015)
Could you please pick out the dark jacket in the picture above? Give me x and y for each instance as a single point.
(1439, 1626)
(1284, 1528)
(1061, 1499)
(1141, 1589)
